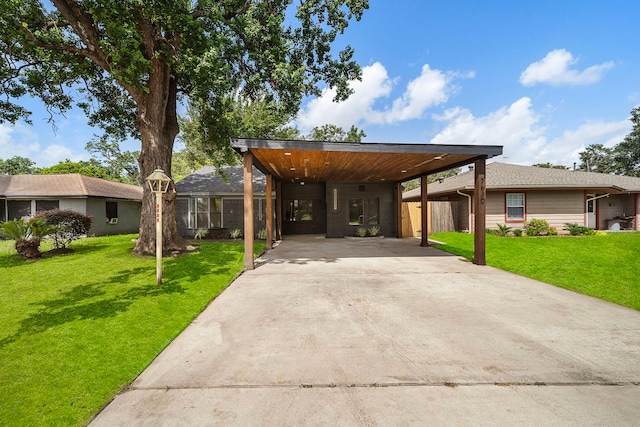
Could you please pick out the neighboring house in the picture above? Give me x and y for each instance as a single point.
(213, 199)
(114, 206)
(516, 194)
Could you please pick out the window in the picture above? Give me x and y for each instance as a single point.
(112, 210)
(17, 209)
(298, 210)
(46, 205)
(205, 212)
(515, 206)
(364, 211)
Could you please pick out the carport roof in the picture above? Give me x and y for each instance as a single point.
(317, 161)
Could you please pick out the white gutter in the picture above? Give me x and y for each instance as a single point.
(470, 217)
(598, 197)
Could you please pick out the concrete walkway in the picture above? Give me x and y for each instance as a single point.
(383, 332)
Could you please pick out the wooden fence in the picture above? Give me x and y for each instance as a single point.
(443, 216)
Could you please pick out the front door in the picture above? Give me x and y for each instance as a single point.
(591, 211)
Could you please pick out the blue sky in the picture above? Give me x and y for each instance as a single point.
(544, 79)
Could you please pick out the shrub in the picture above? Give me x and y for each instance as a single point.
(201, 233)
(71, 225)
(236, 233)
(503, 230)
(262, 234)
(373, 231)
(517, 232)
(27, 234)
(361, 232)
(579, 230)
(536, 227)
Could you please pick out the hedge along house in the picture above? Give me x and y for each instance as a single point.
(335, 188)
(517, 193)
(212, 199)
(114, 206)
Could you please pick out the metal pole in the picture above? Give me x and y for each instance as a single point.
(158, 238)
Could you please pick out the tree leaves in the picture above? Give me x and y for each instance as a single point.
(622, 159)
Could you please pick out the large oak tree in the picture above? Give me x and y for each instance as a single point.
(128, 63)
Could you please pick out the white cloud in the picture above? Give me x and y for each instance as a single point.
(565, 149)
(517, 128)
(555, 69)
(430, 88)
(17, 140)
(319, 111)
(21, 140)
(514, 127)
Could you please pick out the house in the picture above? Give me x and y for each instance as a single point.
(114, 206)
(335, 189)
(518, 193)
(212, 199)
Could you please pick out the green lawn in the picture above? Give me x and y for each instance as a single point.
(606, 267)
(76, 328)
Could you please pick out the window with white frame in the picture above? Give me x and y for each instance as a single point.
(515, 206)
(205, 212)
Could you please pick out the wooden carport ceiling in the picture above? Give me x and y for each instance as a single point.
(315, 161)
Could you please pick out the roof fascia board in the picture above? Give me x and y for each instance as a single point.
(242, 145)
(217, 194)
(612, 188)
(40, 197)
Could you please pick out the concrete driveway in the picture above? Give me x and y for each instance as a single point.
(384, 332)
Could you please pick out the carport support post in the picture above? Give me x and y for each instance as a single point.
(424, 211)
(399, 209)
(480, 211)
(278, 210)
(269, 218)
(248, 211)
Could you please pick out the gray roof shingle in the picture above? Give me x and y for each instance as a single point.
(209, 180)
(508, 176)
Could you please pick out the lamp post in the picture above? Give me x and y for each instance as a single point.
(158, 183)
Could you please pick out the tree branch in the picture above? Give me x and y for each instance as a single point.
(83, 25)
(233, 13)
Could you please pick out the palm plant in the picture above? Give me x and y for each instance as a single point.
(503, 230)
(27, 235)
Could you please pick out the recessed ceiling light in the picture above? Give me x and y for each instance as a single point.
(287, 154)
(292, 169)
(438, 157)
(403, 171)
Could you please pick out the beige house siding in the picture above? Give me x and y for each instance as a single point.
(555, 207)
(495, 208)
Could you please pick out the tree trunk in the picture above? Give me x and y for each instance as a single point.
(158, 124)
(29, 248)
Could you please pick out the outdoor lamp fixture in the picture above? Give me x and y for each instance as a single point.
(158, 183)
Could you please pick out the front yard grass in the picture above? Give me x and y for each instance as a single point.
(77, 328)
(605, 267)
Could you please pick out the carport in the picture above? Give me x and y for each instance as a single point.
(380, 165)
